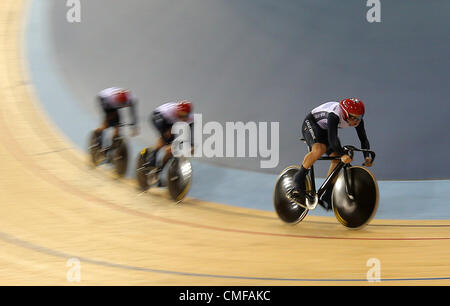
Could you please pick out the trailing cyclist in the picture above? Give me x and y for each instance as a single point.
(111, 100)
(163, 118)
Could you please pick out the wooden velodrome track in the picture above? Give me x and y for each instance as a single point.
(54, 207)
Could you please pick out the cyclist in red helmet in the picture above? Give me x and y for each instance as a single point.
(111, 100)
(163, 118)
(320, 131)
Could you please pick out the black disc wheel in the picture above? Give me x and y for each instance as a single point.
(355, 211)
(288, 211)
(179, 177)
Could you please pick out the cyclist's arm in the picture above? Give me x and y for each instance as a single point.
(333, 140)
(191, 125)
(134, 120)
(363, 137)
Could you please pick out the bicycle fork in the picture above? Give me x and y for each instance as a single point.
(329, 180)
(348, 184)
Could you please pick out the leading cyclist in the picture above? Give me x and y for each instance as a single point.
(320, 130)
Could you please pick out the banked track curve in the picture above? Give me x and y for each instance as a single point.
(55, 207)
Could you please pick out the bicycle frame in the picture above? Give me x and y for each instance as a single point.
(328, 181)
(115, 141)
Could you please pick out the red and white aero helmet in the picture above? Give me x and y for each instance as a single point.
(122, 96)
(184, 106)
(353, 107)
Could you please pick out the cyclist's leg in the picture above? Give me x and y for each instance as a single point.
(116, 134)
(164, 129)
(105, 123)
(333, 164)
(318, 149)
(167, 155)
(326, 196)
(113, 120)
(99, 133)
(168, 139)
(316, 138)
(160, 144)
(102, 127)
